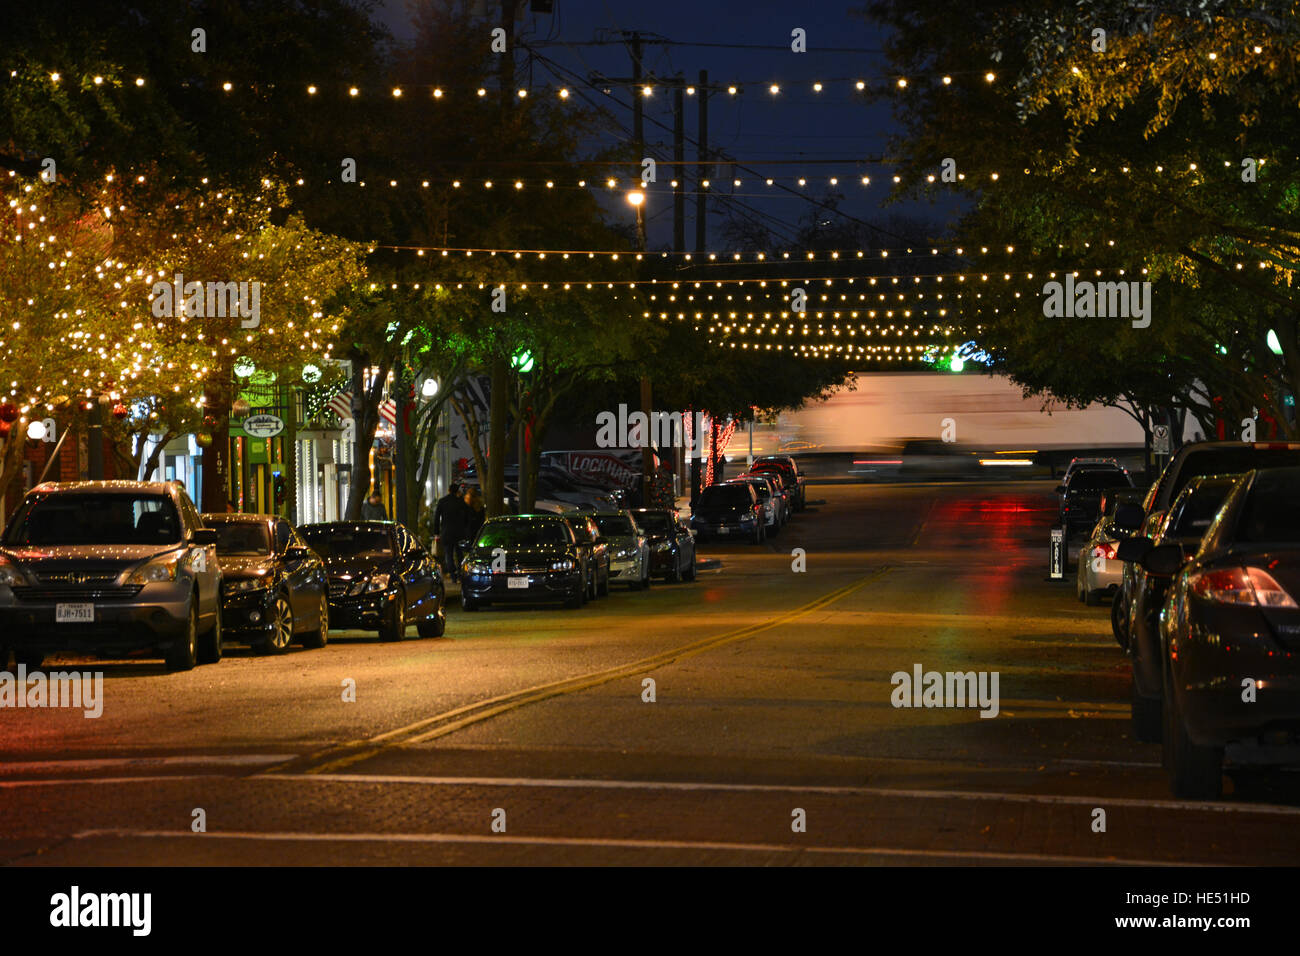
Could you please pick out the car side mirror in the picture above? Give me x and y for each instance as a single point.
(1128, 516)
(1133, 549)
(1164, 561)
(415, 553)
(297, 554)
(204, 536)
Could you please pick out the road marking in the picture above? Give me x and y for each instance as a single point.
(888, 792)
(467, 838)
(178, 760)
(346, 754)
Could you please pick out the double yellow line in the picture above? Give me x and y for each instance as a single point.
(336, 758)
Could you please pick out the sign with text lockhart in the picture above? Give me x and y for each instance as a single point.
(263, 426)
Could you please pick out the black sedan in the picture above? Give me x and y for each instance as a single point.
(1230, 636)
(729, 510)
(380, 578)
(273, 588)
(672, 546)
(1081, 496)
(529, 559)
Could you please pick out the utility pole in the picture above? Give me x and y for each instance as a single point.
(702, 171)
(679, 157)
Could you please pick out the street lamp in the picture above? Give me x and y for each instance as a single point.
(637, 198)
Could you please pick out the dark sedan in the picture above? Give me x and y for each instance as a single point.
(1081, 496)
(1230, 637)
(273, 588)
(732, 511)
(672, 546)
(530, 559)
(380, 578)
(1183, 525)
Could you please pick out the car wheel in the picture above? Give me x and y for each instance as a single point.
(1146, 715)
(282, 633)
(690, 572)
(1117, 621)
(1195, 772)
(675, 575)
(574, 601)
(604, 582)
(646, 580)
(319, 637)
(394, 626)
(468, 604)
(181, 655)
(209, 646)
(432, 627)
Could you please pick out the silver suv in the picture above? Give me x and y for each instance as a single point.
(107, 568)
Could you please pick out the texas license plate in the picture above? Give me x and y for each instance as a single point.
(74, 613)
(517, 583)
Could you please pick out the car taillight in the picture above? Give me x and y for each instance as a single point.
(1254, 587)
(1106, 550)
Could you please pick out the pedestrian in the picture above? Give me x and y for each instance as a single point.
(452, 527)
(373, 509)
(478, 510)
(443, 547)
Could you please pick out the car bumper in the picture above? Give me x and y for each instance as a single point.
(723, 529)
(155, 616)
(1209, 671)
(542, 587)
(663, 562)
(364, 612)
(248, 617)
(1108, 578)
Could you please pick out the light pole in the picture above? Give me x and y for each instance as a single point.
(522, 361)
(637, 199)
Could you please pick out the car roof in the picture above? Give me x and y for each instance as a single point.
(229, 517)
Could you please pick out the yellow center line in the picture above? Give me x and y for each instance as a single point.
(459, 717)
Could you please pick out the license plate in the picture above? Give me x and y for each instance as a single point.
(74, 613)
(724, 530)
(517, 583)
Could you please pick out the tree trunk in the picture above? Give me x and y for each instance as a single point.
(216, 456)
(499, 409)
(365, 422)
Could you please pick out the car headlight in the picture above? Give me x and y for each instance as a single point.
(565, 564)
(245, 584)
(476, 567)
(155, 572)
(10, 576)
(377, 582)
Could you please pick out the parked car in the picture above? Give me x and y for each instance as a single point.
(629, 549)
(274, 589)
(1230, 636)
(524, 558)
(380, 578)
(771, 514)
(1098, 572)
(729, 511)
(108, 568)
(1191, 460)
(791, 476)
(595, 553)
(1081, 497)
(780, 496)
(1183, 525)
(1094, 464)
(671, 543)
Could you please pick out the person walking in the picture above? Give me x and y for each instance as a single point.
(452, 528)
(373, 509)
(470, 512)
(444, 546)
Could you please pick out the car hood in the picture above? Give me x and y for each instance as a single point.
(116, 557)
(246, 565)
(539, 553)
(358, 567)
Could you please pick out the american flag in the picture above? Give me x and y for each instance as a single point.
(341, 405)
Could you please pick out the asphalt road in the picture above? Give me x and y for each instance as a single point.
(524, 735)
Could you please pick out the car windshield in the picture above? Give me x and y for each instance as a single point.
(333, 542)
(1272, 512)
(725, 496)
(655, 522)
(521, 534)
(615, 526)
(89, 518)
(761, 487)
(242, 537)
(1097, 480)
